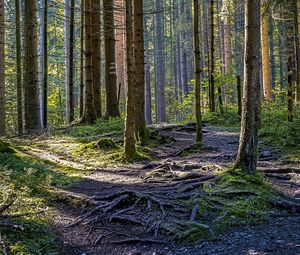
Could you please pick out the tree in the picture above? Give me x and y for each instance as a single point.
(159, 52)
(197, 72)
(139, 67)
(89, 115)
(248, 153)
(265, 51)
(96, 56)
(129, 135)
(112, 109)
(2, 70)
(212, 104)
(31, 81)
(69, 34)
(19, 69)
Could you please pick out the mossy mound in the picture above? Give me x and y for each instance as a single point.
(6, 148)
(106, 144)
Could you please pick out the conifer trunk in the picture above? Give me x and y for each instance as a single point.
(2, 70)
(248, 152)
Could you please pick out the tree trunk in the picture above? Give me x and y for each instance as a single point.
(112, 109)
(89, 111)
(129, 136)
(297, 46)
(32, 111)
(81, 85)
(160, 64)
(45, 68)
(265, 49)
(69, 31)
(96, 56)
(139, 68)
(197, 73)
(212, 104)
(290, 89)
(248, 152)
(19, 69)
(2, 70)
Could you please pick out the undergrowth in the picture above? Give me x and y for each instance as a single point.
(29, 185)
(234, 199)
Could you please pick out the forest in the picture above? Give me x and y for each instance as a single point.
(149, 127)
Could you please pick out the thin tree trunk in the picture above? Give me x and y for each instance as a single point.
(89, 111)
(112, 109)
(129, 136)
(2, 70)
(160, 64)
(197, 73)
(32, 112)
(297, 47)
(70, 38)
(290, 89)
(248, 152)
(139, 66)
(19, 69)
(267, 88)
(212, 104)
(45, 67)
(81, 85)
(96, 56)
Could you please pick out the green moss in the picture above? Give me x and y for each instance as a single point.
(6, 148)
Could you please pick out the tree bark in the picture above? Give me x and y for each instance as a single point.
(212, 104)
(96, 55)
(2, 70)
(112, 109)
(197, 73)
(129, 135)
(248, 152)
(89, 111)
(139, 67)
(69, 32)
(32, 110)
(81, 85)
(265, 49)
(19, 69)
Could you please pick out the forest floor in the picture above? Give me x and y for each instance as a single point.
(181, 202)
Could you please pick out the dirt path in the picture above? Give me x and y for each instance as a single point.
(87, 232)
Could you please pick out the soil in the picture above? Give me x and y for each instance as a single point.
(280, 235)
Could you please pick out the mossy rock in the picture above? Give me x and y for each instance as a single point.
(6, 148)
(106, 144)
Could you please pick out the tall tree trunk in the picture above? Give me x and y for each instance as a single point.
(81, 85)
(148, 98)
(197, 73)
(32, 111)
(139, 67)
(112, 109)
(297, 46)
(2, 70)
(129, 136)
(265, 49)
(212, 104)
(290, 89)
(69, 30)
(272, 53)
(96, 56)
(160, 64)
(248, 152)
(45, 68)
(120, 46)
(19, 69)
(89, 111)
